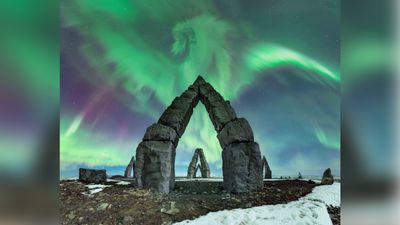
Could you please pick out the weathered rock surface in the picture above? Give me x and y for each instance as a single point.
(154, 167)
(242, 167)
(238, 130)
(267, 169)
(130, 168)
(177, 115)
(192, 96)
(159, 132)
(327, 177)
(92, 176)
(219, 110)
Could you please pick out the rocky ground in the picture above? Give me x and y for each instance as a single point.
(334, 213)
(124, 204)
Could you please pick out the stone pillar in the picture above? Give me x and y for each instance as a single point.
(327, 177)
(242, 166)
(267, 170)
(204, 167)
(130, 168)
(154, 165)
(192, 165)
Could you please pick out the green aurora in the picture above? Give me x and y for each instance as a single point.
(145, 51)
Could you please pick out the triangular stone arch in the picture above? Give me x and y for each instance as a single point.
(241, 157)
(194, 165)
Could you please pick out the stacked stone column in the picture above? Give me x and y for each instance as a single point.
(155, 155)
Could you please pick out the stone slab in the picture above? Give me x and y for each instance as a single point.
(237, 130)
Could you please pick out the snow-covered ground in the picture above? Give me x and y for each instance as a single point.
(310, 209)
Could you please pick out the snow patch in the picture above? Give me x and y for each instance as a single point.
(328, 194)
(123, 183)
(94, 188)
(310, 209)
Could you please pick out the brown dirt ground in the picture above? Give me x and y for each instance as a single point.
(129, 205)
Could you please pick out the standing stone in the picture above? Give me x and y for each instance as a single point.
(327, 177)
(267, 170)
(204, 167)
(192, 165)
(130, 167)
(154, 165)
(242, 167)
(92, 176)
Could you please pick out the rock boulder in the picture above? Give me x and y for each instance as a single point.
(238, 130)
(327, 177)
(92, 176)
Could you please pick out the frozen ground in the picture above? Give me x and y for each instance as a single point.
(310, 209)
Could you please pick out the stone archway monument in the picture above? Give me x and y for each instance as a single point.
(241, 157)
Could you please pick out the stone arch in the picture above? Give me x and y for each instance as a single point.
(241, 157)
(194, 165)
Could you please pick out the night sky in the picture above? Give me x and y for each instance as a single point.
(276, 61)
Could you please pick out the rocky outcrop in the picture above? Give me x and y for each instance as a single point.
(327, 177)
(242, 166)
(267, 170)
(194, 165)
(130, 168)
(92, 176)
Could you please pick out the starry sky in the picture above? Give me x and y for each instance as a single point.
(276, 61)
